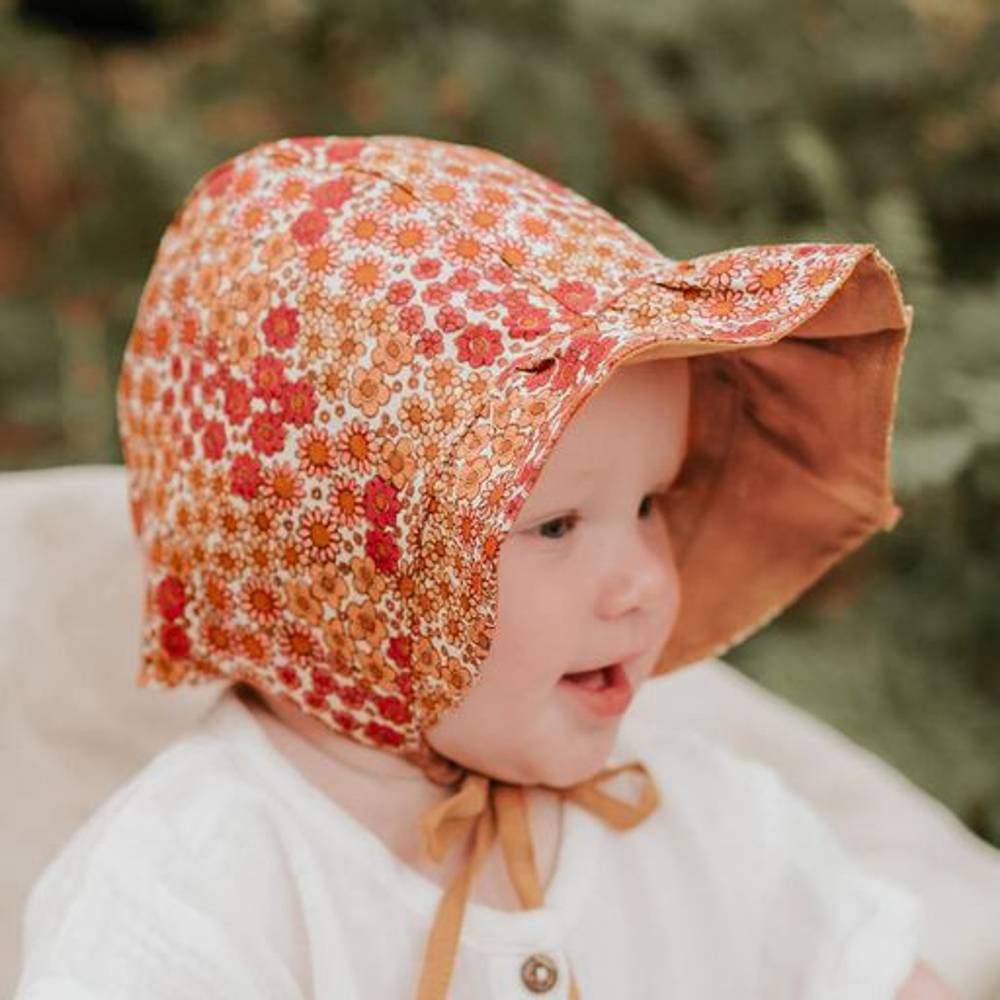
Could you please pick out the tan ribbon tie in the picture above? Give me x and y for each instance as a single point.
(494, 808)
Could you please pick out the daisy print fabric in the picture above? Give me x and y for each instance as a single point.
(348, 363)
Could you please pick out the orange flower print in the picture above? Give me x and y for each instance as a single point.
(816, 277)
(368, 227)
(391, 352)
(363, 275)
(252, 294)
(316, 452)
(283, 487)
(770, 281)
(291, 553)
(472, 476)
(364, 623)
(301, 602)
(723, 303)
(217, 593)
(227, 561)
(424, 658)
(377, 671)
(720, 272)
(261, 601)
(216, 636)
(262, 520)
(317, 529)
(297, 644)
(414, 415)
(368, 390)
(336, 638)
(242, 347)
(251, 644)
(345, 500)
(409, 238)
(278, 249)
(397, 463)
(327, 584)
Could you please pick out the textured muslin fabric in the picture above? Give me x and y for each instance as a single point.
(221, 871)
(349, 365)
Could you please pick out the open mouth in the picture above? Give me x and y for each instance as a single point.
(592, 680)
(605, 691)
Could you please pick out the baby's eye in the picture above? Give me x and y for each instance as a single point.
(645, 509)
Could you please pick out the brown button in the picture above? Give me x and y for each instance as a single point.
(539, 973)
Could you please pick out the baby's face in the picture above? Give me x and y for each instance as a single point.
(586, 578)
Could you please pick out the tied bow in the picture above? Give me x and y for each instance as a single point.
(494, 808)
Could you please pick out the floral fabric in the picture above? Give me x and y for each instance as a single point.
(351, 359)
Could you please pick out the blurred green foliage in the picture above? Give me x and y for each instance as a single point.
(702, 125)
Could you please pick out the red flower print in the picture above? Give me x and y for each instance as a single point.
(298, 402)
(315, 700)
(346, 722)
(289, 678)
(322, 680)
(213, 440)
(170, 598)
(342, 150)
(382, 735)
(174, 640)
(399, 650)
(381, 502)
(245, 476)
(427, 268)
(281, 325)
(217, 180)
(411, 319)
(479, 345)
(310, 227)
(393, 709)
(383, 549)
(331, 194)
(400, 292)
(267, 433)
(352, 695)
(268, 376)
(449, 319)
(527, 322)
(237, 401)
(576, 295)
(430, 343)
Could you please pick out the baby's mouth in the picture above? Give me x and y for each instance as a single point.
(592, 680)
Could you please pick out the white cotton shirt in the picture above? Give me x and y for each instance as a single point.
(220, 872)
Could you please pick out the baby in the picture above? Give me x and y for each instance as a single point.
(435, 464)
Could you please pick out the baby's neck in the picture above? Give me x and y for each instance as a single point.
(389, 796)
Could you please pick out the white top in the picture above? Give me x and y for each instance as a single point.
(219, 871)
